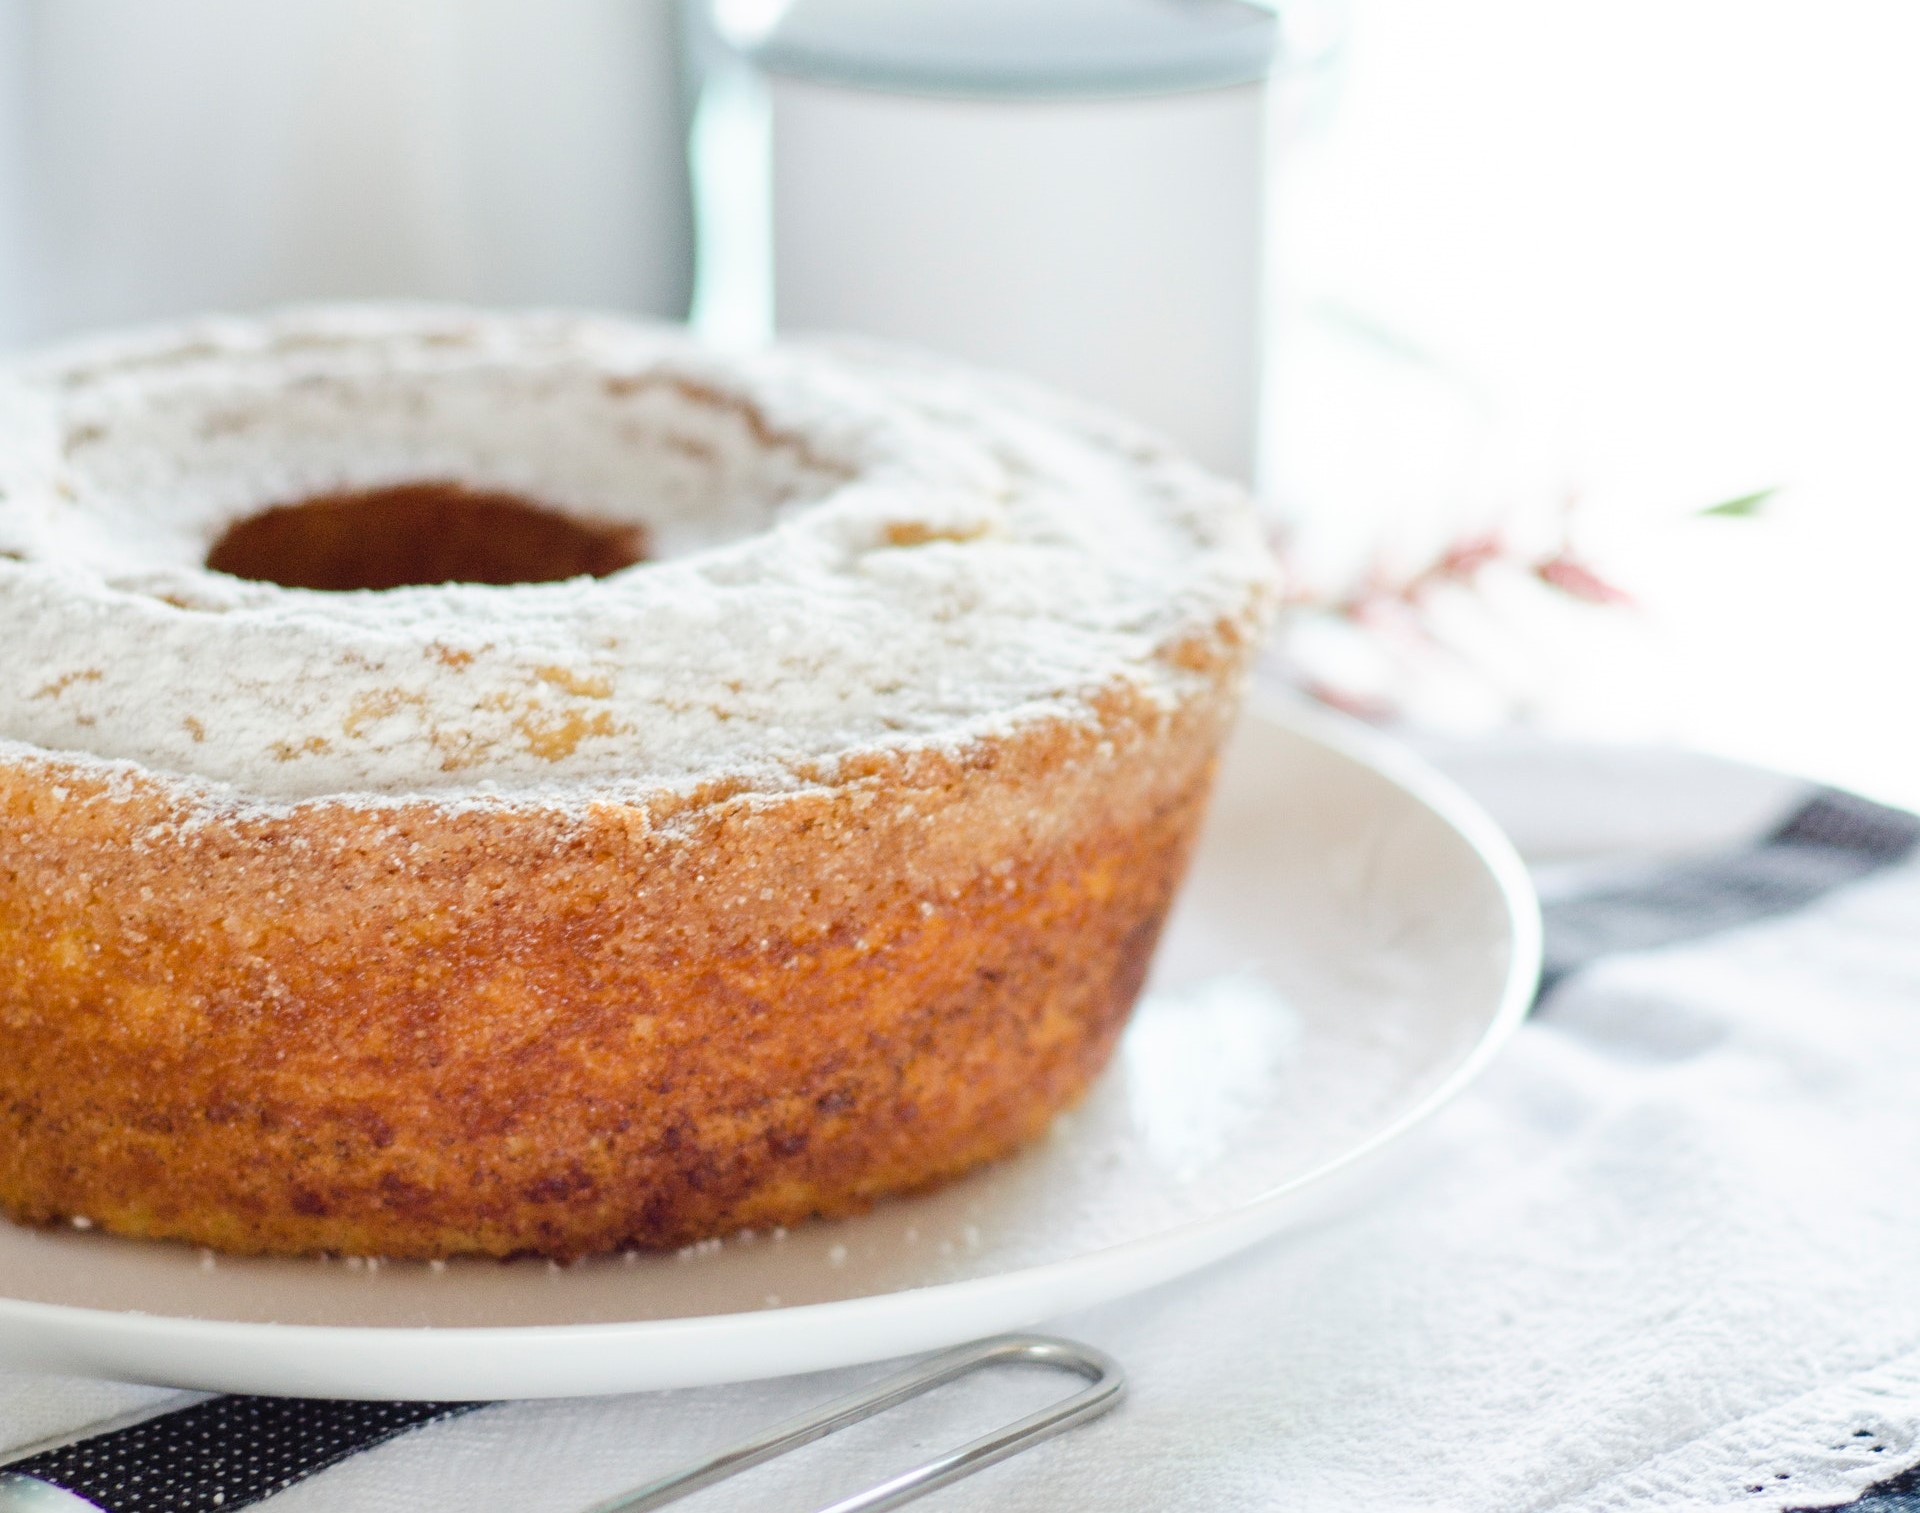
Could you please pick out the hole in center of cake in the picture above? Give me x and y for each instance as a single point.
(421, 533)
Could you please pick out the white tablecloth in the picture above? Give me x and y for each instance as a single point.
(1666, 1255)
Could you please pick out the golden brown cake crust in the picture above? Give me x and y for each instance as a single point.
(421, 1030)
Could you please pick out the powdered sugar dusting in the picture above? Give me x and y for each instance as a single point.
(854, 549)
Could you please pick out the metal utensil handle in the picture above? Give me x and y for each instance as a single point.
(1107, 1385)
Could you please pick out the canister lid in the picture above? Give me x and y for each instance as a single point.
(1027, 49)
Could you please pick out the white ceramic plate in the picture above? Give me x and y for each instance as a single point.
(1353, 944)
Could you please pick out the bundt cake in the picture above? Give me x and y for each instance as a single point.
(530, 784)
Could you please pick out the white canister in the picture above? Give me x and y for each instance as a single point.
(1074, 190)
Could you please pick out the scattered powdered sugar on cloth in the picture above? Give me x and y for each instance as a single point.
(852, 549)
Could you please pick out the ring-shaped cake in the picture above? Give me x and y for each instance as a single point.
(527, 784)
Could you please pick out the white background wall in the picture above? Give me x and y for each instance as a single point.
(1658, 253)
(161, 158)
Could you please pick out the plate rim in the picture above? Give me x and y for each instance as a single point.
(1094, 1276)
